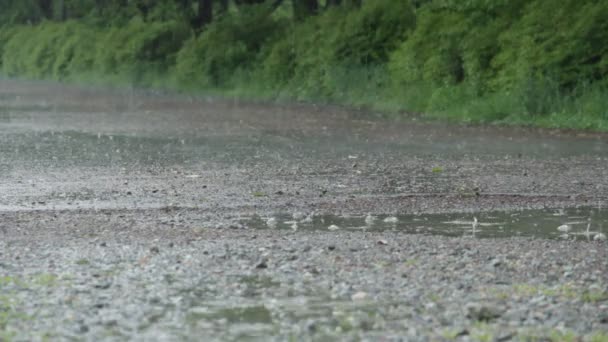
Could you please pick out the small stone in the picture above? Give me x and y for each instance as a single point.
(359, 296)
(505, 336)
(333, 227)
(482, 312)
(382, 242)
(331, 247)
(391, 219)
(495, 262)
(155, 250)
(103, 286)
(271, 222)
(262, 265)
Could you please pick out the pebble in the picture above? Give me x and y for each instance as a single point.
(391, 219)
(359, 296)
(482, 312)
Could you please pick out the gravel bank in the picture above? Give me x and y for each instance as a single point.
(120, 218)
(235, 284)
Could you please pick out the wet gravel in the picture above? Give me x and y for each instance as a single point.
(233, 284)
(121, 218)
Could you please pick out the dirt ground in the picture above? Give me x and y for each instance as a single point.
(126, 214)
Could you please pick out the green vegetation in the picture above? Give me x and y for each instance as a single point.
(82, 262)
(12, 313)
(540, 62)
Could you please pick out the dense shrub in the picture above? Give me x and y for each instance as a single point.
(6, 34)
(519, 61)
(454, 42)
(140, 48)
(228, 46)
(76, 52)
(31, 51)
(567, 42)
(320, 55)
(59, 50)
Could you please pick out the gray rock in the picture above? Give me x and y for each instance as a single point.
(483, 312)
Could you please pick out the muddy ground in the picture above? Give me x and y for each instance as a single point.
(137, 215)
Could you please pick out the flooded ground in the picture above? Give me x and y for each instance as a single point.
(137, 215)
(582, 223)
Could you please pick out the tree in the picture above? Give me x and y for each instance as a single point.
(204, 13)
(46, 7)
(304, 8)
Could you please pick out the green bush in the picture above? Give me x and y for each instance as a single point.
(513, 61)
(453, 42)
(30, 51)
(76, 53)
(59, 50)
(6, 34)
(565, 41)
(228, 46)
(313, 58)
(140, 48)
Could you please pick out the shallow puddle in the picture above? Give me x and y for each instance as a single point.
(580, 223)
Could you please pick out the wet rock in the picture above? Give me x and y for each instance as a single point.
(83, 329)
(496, 262)
(391, 219)
(599, 237)
(103, 285)
(262, 264)
(482, 312)
(237, 225)
(504, 336)
(359, 296)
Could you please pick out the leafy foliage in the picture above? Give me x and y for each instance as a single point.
(229, 45)
(517, 61)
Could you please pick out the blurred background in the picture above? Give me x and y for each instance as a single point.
(539, 62)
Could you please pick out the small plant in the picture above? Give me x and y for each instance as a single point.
(45, 279)
(82, 262)
(482, 332)
(594, 296)
(437, 169)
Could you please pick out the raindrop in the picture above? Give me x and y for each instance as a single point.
(369, 219)
(271, 222)
(391, 219)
